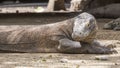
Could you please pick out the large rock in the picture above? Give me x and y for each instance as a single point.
(111, 11)
(55, 5)
(100, 3)
(91, 4)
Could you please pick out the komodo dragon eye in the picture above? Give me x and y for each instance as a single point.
(88, 24)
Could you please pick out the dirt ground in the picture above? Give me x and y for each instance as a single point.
(57, 60)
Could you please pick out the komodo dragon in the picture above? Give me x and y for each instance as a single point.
(115, 24)
(75, 35)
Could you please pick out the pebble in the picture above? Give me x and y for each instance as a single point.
(64, 60)
(101, 58)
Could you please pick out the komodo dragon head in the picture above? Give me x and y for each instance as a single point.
(84, 27)
(115, 24)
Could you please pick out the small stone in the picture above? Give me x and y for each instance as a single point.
(101, 58)
(116, 63)
(44, 60)
(78, 66)
(82, 61)
(50, 56)
(63, 60)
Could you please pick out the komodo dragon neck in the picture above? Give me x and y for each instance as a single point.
(67, 27)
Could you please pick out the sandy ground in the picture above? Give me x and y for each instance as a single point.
(58, 60)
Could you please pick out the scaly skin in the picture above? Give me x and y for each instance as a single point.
(115, 24)
(75, 35)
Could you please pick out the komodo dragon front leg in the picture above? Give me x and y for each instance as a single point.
(69, 46)
(104, 43)
(101, 47)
